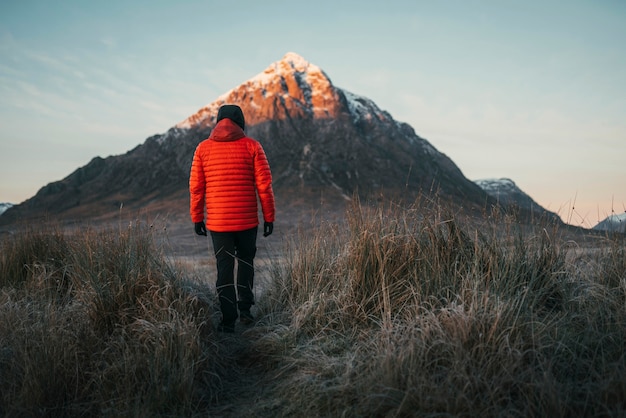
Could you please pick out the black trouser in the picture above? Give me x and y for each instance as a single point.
(227, 247)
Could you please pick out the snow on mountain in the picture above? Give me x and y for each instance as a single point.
(363, 108)
(613, 223)
(4, 207)
(287, 88)
(297, 85)
(497, 187)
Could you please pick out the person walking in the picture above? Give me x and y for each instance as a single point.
(228, 172)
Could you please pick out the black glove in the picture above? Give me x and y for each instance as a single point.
(268, 228)
(200, 228)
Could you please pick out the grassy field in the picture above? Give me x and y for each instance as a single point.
(395, 312)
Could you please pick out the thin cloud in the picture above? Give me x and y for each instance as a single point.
(108, 42)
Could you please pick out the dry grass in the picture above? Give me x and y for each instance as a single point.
(408, 313)
(97, 323)
(396, 312)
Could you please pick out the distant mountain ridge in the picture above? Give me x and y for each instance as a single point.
(613, 223)
(324, 144)
(509, 195)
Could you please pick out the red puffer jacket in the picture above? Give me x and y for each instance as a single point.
(227, 172)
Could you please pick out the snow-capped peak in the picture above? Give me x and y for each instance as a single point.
(290, 63)
(290, 86)
(618, 217)
(297, 62)
(615, 222)
(507, 193)
(4, 207)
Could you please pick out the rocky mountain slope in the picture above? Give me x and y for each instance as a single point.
(324, 145)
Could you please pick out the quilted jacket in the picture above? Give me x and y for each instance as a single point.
(228, 171)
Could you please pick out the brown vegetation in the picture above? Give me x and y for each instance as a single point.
(396, 312)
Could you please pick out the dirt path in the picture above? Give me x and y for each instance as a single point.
(247, 386)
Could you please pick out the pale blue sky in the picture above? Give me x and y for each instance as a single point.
(532, 90)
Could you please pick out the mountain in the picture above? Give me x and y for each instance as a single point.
(324, 144)
(4, 207)
(511, 197)
(317, 135)
(613, 223)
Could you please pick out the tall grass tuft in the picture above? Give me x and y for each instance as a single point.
(411, 312)
(98, 323)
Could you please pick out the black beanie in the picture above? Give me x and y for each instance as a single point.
(232, 112)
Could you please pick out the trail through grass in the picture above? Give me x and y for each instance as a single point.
(396, 312)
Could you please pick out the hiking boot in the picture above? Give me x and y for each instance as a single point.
(246, 317)
(226, 327)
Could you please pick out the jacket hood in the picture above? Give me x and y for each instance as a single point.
(232, 112)
(226, 130)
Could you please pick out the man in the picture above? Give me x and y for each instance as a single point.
(228, 170)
